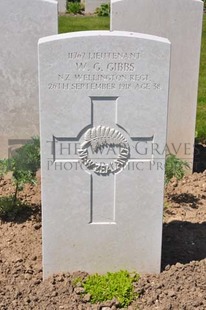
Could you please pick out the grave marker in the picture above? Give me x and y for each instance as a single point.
(22, 23)
(181, 22)
(102, 180)
(62, 6)
(92, 5)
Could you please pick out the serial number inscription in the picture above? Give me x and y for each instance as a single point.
(104, 56)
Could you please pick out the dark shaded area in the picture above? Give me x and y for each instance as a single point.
(186, 198)
(19, 212)
(199, 164)
(183, 242)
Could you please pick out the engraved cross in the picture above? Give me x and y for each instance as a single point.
(105, 150)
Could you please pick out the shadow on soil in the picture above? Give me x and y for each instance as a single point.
(19, 212)
(183, 242)
(199, 164)
(186, 198)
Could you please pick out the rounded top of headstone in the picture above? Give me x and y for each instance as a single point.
(102, 33)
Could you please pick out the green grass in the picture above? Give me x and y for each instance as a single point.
(201, 108)
(81, 23)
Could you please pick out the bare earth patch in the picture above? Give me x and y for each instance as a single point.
(180, 285)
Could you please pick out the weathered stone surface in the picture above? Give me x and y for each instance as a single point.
(103, 101)
(91, 5)
(62, 6)
(22, 23)
(181, 22)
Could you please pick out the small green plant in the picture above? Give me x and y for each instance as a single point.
(103, 10)
(75, 8)
(23, 165)
(175, 167)
(77, 281)
(118, 285)
(9, 211)
(3, 167)
(166, 205)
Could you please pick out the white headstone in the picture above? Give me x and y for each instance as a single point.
(181, 22)
(92, 5)
(103, 102)
(62, 6)
(22, 23)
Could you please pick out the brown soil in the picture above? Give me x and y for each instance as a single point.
(180, 285)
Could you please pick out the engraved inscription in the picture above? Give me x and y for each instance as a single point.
(103, 71)
(107, 55)
(98, 138)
